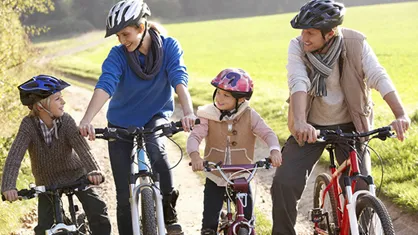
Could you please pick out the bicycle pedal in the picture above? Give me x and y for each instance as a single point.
(317, 215)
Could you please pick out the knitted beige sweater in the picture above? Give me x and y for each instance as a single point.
(64, 161)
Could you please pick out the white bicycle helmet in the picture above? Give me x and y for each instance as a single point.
(125, 13)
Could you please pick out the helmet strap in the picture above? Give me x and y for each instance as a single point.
(226, 112)
(143, 36)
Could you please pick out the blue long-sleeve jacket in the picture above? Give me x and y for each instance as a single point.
(135, 101)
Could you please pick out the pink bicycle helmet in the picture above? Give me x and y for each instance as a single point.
(236, 81)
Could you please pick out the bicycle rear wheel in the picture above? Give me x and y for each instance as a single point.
(330, 203)
(148, 215)
(372, 216)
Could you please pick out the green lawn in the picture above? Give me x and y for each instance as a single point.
(259, 45)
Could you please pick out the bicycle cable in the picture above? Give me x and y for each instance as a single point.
(381, 167)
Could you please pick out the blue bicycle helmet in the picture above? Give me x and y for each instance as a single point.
(319, 14)
(40, 87)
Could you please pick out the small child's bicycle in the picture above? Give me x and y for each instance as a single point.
(77, 224)
(360, 212)
(234, 223)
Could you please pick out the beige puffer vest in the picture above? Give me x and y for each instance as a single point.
(352, 79)
(242, 142)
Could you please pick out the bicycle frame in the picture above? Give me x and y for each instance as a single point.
(347, 220)
(55, 192)
(346, 216)
(141, 174)
(239, 187)
(139, 170)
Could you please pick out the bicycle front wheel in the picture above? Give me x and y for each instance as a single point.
(148, 215)
(330, 203)
(243, 231)
(372, 216)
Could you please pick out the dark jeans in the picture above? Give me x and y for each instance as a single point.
(214, 196)
(290, 178)
(120, 152)
(93, 206)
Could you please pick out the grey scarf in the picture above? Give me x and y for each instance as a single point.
(153, 60)
(323, 64)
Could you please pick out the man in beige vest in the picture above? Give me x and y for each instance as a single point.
(330, 73)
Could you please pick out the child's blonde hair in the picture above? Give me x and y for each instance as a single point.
(34, 112)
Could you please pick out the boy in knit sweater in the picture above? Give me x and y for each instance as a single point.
(229, 115)
(58, 153)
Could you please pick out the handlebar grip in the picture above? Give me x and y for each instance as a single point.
(178, 124)
(3, 197)
(99, 130)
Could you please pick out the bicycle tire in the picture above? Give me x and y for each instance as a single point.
(243, 231)
(148, 215)
(321, 182)
(82, 222)
(366, 205)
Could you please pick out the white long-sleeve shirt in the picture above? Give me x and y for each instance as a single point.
(331, 109)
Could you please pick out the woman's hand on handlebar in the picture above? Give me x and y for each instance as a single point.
(276, 158)
(87, 129)
(188, 122)
(197, 162)
(11, 195)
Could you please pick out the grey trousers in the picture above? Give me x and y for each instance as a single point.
(290, 178)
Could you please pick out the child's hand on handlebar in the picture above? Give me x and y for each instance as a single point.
(197, 161)
(11, 195)
(276, 158)
(188, 122)
(95, 177)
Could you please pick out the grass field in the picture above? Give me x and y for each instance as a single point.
(259, 45)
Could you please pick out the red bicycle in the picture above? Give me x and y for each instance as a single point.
(358, 212)
(234, 222)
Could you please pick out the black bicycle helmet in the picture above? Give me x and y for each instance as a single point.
(125, 13)
(40, 87)
(319, 14)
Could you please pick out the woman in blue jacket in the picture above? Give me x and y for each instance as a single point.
(140, 75)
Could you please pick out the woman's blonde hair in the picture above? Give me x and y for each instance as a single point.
(153, 25)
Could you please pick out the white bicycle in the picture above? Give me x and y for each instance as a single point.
(146, 197)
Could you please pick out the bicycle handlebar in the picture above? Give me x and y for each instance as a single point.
(382, 133)
(33, 191)
(168, 129)
(209, 166)
(249, 168)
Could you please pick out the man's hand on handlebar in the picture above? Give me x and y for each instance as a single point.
(400, 126)
(304, 132)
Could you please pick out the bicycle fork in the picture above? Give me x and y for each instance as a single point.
(137, 165)
(135, 200)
